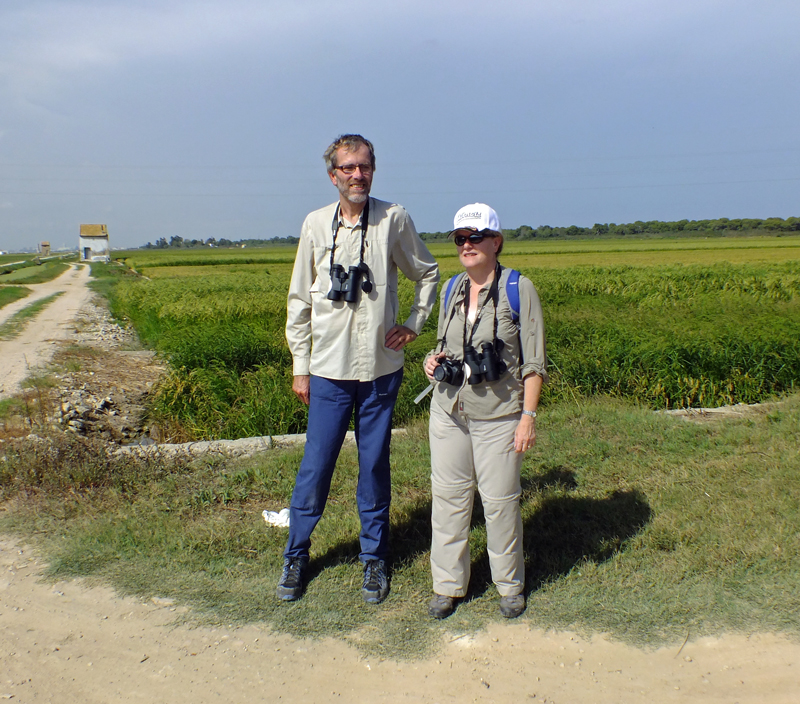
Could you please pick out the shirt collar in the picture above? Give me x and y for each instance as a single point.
(345, 224)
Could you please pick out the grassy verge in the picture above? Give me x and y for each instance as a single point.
(638, 524)
(105, 276)
(17, 322)
(35, 274)
(9, 294)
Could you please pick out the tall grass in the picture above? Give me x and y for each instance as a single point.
(666, 336)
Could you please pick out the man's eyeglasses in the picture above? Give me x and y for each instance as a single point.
(350, 169)
(474, 238)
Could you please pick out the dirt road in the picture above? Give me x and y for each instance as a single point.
(68, 643)
(35, 345)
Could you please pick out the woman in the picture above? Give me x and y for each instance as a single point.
(489, 365)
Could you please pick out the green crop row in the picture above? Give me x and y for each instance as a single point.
(142, 259)
(665, 336)
(660, 285)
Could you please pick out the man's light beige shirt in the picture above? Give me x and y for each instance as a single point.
(340, 340)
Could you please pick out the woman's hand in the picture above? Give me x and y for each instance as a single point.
(431, 363)
(525, 435)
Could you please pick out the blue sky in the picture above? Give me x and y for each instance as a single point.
(209, 119)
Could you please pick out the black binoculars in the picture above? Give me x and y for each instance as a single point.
(346, 284)
(484, 366)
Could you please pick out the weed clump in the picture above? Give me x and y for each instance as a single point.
(66, 463)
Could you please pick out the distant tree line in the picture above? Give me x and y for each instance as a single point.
(176, 242)
(721, 226)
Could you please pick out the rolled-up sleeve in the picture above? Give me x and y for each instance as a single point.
(298, 307)
(531, 335)
(418, 265)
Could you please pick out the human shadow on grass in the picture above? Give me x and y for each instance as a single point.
(566, 531)
(563, 532)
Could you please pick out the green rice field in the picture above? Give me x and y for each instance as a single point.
(666, 323)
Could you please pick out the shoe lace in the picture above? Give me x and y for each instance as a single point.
(292, 570)
(374, 573)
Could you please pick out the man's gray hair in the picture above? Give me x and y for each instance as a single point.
(348, 142)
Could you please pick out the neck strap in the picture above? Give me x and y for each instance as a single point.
(364, 221)
(493, 295)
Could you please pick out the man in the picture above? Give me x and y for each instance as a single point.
(347, 354)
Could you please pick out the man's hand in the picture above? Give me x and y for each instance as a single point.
(302, 387)
(399, 336)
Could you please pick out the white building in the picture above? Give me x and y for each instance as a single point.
(93, 245)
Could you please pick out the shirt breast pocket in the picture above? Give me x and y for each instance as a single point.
(322, 263)
(376, 258)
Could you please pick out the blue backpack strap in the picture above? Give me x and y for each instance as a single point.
(449, 290)
(512, 291)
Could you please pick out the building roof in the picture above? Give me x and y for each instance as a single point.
(94, 231)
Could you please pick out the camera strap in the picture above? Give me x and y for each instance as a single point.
(364, 222)
(494, 296)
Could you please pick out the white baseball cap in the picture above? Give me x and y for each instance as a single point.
(478, 217)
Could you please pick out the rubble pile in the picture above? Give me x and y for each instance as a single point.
(85, 413)
(103, 381)
(95, 326)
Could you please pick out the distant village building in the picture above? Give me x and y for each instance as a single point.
(93, 246)
(44, 248)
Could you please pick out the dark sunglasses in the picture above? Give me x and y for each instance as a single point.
(474, 238)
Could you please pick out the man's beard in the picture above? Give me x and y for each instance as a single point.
(344, 189)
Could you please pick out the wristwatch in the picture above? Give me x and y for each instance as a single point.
(532, 414)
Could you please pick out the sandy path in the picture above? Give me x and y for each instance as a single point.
(68, 643)
(35, 345)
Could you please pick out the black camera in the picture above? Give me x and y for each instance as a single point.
(345, 284)
(450, 371)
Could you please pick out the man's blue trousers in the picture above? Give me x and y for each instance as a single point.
(332, 404)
